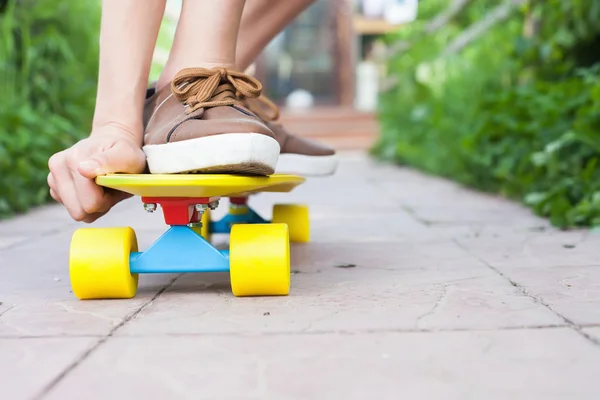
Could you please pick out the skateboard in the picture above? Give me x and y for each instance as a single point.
(104, 263)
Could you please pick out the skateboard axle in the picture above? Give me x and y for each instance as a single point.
(180, 210)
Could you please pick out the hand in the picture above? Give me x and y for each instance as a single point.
(109, 149)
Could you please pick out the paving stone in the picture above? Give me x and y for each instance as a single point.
(518, 364)
(594, 333)
(345, 288)
(574, 292)
(534, 248)
(28, 365)
(35, 292)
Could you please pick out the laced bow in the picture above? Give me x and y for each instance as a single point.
(196, 86)
(266, 110)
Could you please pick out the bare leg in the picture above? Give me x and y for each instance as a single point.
(261, 22)
(127, 38)
(206, 36)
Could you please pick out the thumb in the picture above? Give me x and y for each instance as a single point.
(118, 158)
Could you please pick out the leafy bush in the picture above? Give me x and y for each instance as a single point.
(48, 72)
(517, 111)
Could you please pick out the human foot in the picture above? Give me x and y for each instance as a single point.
(199, 124)
(299, 156)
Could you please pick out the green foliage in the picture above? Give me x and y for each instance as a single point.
(48, 72)
(516, 112)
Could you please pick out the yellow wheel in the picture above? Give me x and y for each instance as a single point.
(204, 230)
(99, 263)
(259, 257)
(297, 219)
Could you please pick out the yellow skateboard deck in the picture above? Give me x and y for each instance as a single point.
(198, 185)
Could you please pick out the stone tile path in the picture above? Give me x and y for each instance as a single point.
(411, 288)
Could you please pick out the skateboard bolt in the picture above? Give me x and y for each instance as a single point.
(150, 207)
(213, 205)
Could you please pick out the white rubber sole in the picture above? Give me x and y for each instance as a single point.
(299, 164)
(245, 151)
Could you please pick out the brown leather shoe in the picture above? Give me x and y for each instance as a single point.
(199, 124)
(299, 156)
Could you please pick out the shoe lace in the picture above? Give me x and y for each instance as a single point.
(196, 86)
(262, 106)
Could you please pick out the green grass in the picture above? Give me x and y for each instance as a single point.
(513, 114)
(48, 72)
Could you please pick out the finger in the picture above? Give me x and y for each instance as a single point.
(91, 196)
(52, 186)
(65, 189)
(121, 157)
(55, 196)
(94, 198)
(68, 195)
(110, 199)
(114, 197)
(51, 182)
(92, 217)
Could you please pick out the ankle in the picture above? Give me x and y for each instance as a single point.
(169, 72)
